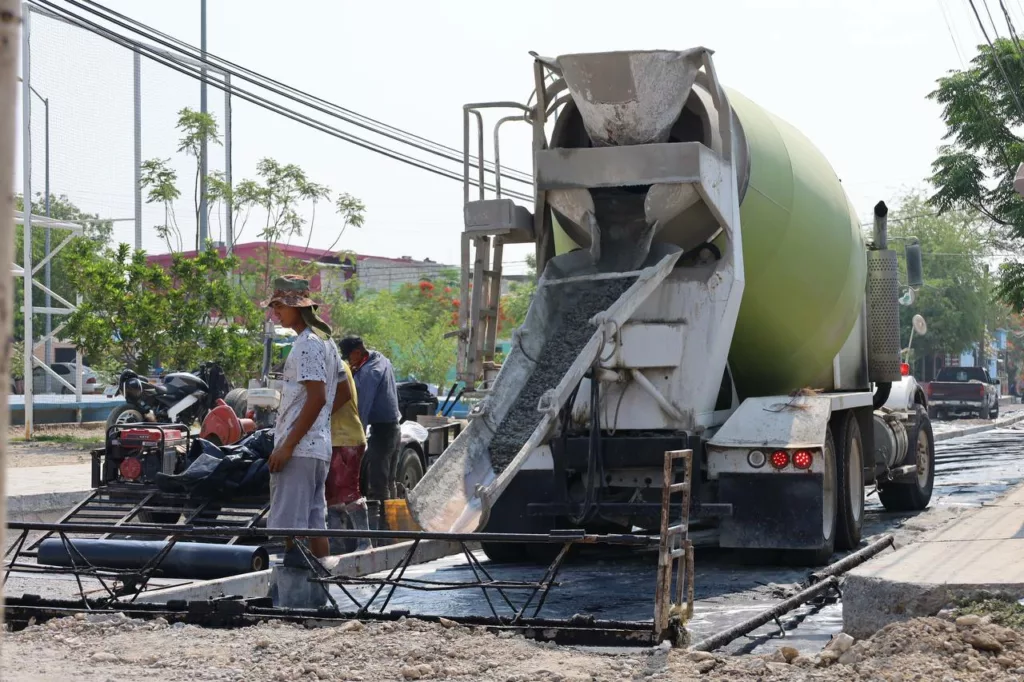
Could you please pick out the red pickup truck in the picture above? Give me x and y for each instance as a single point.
(958, 391)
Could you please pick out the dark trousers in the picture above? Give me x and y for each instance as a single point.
(381, 461)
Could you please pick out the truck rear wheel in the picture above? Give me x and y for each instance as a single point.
(850, 488)
(913, 494)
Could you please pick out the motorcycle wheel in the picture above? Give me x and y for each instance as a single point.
(124, 414)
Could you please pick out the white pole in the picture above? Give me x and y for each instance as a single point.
(138, 149)
(8, 95)
(229, 230)
(26, 150)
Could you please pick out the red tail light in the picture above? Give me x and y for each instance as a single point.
(981, 390)
(802, 459)
(904, 369)
(130, 469)
(780, 458)
(928, 389)
(91, 380)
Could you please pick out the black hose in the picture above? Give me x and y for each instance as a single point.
(594, 459)
(882, 391)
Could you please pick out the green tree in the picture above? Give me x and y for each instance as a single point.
(974, 170)
(954, 299)
(410, 333)
(197, 128)
(520, 295)
(160, 182)
(96, 233)
(140, 313)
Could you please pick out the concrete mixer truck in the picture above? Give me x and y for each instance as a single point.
(705, 285)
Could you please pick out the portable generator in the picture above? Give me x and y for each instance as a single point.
(135, 453)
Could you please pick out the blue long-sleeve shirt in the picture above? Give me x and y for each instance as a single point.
(377, 392)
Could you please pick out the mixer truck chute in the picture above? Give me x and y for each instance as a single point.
(705, 285)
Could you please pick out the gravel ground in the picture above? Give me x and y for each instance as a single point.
(114, 647)
(60, 444)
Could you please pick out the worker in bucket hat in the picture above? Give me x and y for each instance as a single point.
(302, 436)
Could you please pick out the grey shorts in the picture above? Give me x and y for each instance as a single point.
(297, 495)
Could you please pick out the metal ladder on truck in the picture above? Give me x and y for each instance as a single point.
(489, 225)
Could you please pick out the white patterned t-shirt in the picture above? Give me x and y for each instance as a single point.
(311, 359)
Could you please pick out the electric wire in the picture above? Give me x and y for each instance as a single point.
(195, 72)
(998, 60)
(1012, 29)
(288, 91)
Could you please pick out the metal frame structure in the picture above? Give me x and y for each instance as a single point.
(122, 587)
(29, 220)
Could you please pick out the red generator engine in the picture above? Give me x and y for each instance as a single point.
(136, 453)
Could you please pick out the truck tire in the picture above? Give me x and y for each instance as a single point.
(850, 488)
(410, 471)
(995, 411)
(914, 494)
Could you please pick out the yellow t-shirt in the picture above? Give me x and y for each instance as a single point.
(346, 429)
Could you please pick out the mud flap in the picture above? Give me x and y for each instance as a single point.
(775, 511)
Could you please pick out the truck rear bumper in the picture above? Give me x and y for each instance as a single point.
(771, 511)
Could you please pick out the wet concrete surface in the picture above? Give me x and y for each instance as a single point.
(970, 471)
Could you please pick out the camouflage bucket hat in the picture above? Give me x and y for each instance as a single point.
(292, 291)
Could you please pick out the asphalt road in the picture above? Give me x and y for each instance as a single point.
(969, 472)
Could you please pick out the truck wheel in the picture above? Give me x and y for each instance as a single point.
(933, 414)
(850, 488)
(410, 471)
(913, 494)
(829, 521)
(995, 412)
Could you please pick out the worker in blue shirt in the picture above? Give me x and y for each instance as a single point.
(378, 409)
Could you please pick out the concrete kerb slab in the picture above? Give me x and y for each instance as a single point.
(257, 584)
(21, 506)
(979, 555)
(981, 428)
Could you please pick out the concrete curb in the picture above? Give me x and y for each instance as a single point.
(981, 428)
(41, 503)
(257, 584)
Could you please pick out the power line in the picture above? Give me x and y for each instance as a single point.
(995, 54)
(288, 91)
(949, 27)
(195, 72)
(1013, 30)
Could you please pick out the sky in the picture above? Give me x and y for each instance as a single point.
(853, 76)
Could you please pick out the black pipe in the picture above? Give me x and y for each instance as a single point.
(722, 638)
(195, 560)
(852, 560)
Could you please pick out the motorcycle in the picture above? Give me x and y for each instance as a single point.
(182, 398)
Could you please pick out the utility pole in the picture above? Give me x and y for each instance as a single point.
(9, 25)
(137, 134)
(26, 170)
(204, 227)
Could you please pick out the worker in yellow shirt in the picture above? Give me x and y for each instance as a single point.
(348, 444)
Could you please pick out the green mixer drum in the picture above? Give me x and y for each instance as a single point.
(803, 257)
(804, 261)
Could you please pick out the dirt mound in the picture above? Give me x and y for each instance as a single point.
(112, 646)
(966, 650)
